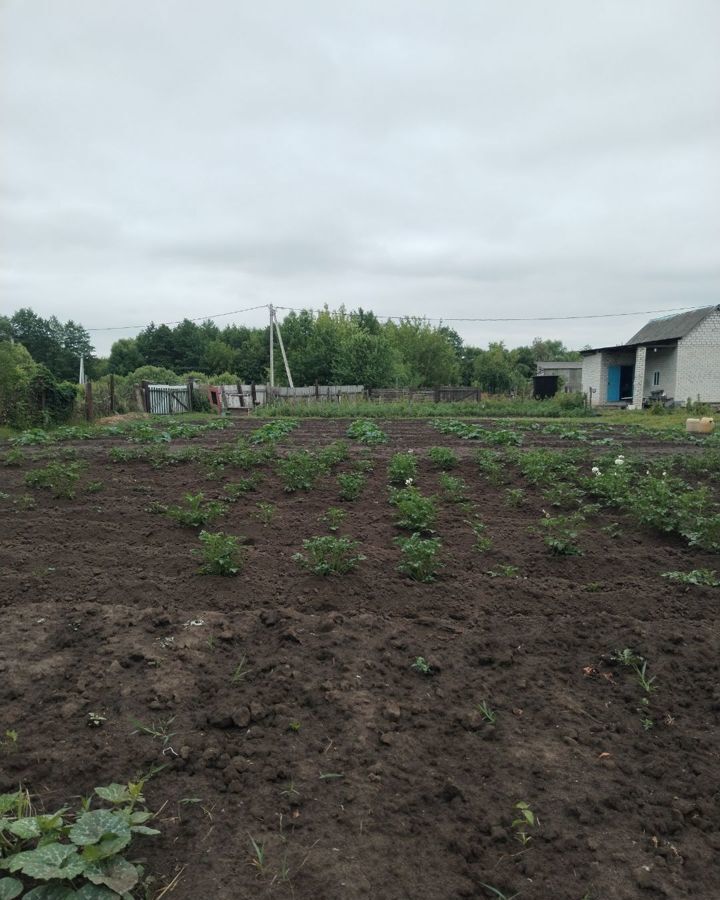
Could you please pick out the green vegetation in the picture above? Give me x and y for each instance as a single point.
(351, 485)
(329, 555)
(272, 431)
(705, 577)
(196, 511)
(454, 488)
(333, 518)
(221, 554)
(366, 432)
(419, 557)
(73, 852)
(443, 458)
(416, 512)
(422, 666)
(402, 468)
(561, 534)
(525, 818)
(59, 478)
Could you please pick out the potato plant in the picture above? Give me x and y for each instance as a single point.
(329, 555)
(221, 554)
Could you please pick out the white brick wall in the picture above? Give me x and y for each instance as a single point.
(698, 362)
(592, 377)
(664, 361)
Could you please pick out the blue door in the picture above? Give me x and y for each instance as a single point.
(613, 385)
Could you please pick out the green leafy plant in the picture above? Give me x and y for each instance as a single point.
(299, 471)
(351, 485)
(241, 671)
(515, 496)
(333, 518)
(329, 555)
(490, 465)
(564, 495)
(561, 534)
(159, 730)
(416, 512)
(454, 489)
(704, 577)
(236, 489)
(265, 513)
(504, 571)
(73, 853)
(488, 714)
(366, 432)
(422, 666)
(402, 468)
(482, 541)
(443, 458)
(221, 554)
(94, 487)
(525, 819)
(419, 557)
(13, 457)
(60, 478)
(272, 432)
(195, 512)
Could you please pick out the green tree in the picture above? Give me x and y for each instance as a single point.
(219, 357)
(125, 357)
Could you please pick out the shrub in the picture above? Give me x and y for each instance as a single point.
(419, 557)
(221, 553)
(329, 555)
(402, 468)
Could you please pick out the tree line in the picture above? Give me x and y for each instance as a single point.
(330, 347)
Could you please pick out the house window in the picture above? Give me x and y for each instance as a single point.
(656, 379)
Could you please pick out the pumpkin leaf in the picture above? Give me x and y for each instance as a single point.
(50, 861)
(10, 888)
(92, 826)
(117, 873)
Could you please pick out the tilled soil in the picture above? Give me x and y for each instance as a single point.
(294, 717)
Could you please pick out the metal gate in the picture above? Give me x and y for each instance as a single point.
(167, 399)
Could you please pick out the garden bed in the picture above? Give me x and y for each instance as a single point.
(297, 751)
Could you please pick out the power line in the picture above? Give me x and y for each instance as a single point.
(481, 319)
(641, 312)
(234, 312)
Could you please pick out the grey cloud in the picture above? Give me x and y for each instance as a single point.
(422, 158)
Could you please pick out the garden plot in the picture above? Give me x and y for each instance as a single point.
(407, 660)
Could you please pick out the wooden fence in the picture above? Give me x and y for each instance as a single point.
(244, 397)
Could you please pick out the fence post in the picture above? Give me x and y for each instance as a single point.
(253, 394)
(191, 391)
(88, 401)
(146, 395)
(112, 393)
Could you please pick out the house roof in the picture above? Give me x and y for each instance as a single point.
(671, 327)
(661, 331)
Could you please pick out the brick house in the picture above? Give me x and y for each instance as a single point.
(670, 359)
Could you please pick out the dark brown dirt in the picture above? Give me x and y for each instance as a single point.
(103, 611)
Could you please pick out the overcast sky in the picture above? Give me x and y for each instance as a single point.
(167, 159)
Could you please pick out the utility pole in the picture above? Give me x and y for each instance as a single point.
(272, 346)
(282, 350)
